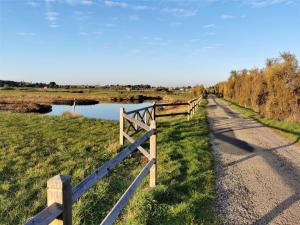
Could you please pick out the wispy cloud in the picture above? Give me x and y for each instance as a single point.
(115, 4)
(134, 18)
(175, 24)
(33, 3)
(156, 41)
(212, 46)
(110, 25)
(209, 26)
(76, 2)
(209, 33)
(52, 17)
(195, 40)
(141, 7)
(227, 17)
(181, 12)
(26, 34)
(265, 3)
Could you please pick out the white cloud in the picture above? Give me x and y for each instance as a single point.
(264, 3)
(76, 2)
(213, 46)
(109, 25)
(134, 18)
(141, 7)
(27, 34)
(209, 26)
(115, 4)
(209, 33)
(195, 40)
(86, 2)
(33, 3)
(180, 12)
(52, 18)
(227, 17)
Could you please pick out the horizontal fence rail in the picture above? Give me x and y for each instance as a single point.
(92, 179)
(61, 196)
(113, 214)
(192, 107)
(47, 215)
(59, 187)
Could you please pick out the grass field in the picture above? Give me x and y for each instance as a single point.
(35, 147)
(46, 95)
(289, 129)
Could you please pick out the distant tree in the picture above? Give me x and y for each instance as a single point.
(52, 85)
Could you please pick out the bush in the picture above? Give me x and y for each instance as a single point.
(273, 91)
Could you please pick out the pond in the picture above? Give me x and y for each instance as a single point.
(109, 111)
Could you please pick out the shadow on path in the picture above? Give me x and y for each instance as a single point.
(287, 171)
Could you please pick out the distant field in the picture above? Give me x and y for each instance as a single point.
(36, 147)
(97, 94)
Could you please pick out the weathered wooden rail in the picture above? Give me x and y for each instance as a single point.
(60, 194)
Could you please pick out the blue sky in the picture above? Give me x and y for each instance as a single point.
(157, 42)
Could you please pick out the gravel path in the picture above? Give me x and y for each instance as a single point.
(258, 171)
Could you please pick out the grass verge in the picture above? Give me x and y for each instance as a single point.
(34, 148)
(185, 190)
(291, 130)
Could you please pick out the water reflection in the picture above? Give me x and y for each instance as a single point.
(109, 111)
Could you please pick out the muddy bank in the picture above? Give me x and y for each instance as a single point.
(137, 98)
(77, 101)
(25, 108)
(42, 104)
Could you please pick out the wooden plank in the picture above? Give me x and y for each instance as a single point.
(153, 143)
(121, 141)
(46, 216)
(171, 104)
(137, 122)
(116, 210)
(137, 110)
(92, 179)
(142, 150)
(172, 114)
(130, 125)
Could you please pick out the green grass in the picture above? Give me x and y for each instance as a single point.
(289, 129)
(185, 191)
(34, 148)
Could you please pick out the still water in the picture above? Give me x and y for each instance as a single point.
(108, 111)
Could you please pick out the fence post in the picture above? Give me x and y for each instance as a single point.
(154, 111)
(193, 108)
(146, 116)
(121, 126)
(153, 140)
(189, 111)
(135, 116)
(59, 191)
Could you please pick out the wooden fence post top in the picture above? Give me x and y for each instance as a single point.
(153, 124)
(58, 181)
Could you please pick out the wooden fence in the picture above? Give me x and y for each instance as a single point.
(61, 196)
(192, 106)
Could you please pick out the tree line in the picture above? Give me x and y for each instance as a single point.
(273, 91)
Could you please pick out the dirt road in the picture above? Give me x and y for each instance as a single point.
(258, 171)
